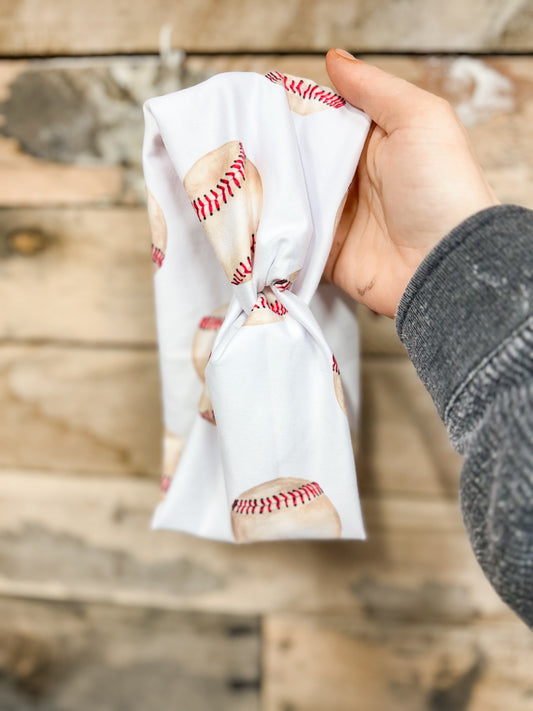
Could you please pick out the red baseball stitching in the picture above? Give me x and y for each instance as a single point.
(282, 284)
(209, 203)
(245, 268)
(157, 255)
(267, 504)
(211, 323)
(240, 274)
(208, 415)
(165, 482)
(335, 365)
(275, 306)
(307, 90)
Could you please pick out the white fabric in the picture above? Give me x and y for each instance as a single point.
(288, 150)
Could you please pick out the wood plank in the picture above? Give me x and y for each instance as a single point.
(80, 275)
(71, 247)
(27, 181)
(377, 334)
(97, 410)
(84, 147)
(495, 96)
(402, 445)
(88, 538)
(29, 27)
(48, 254)
(336, 662)
(87, 656)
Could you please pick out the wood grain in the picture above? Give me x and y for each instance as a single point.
(86, 656)
(80, 409)
(30, 27)
(81, 141)
(74, 537)
(96, 609)
(81, 275)
(84, 146)
(402, 445)
(90, 273)
(347, 665)
(28, 181)
(97, 410)
(97, 164)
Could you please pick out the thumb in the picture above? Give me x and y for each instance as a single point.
(388, 100)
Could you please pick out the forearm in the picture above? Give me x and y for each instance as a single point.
(466, 319)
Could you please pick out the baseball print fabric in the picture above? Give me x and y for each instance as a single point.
(246, 178)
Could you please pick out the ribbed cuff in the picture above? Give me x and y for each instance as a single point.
(468, 295)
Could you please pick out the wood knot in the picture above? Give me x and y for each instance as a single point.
(26, 241)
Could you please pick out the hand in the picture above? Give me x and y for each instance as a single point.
(417, 178)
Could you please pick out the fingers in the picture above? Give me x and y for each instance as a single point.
(388, 100)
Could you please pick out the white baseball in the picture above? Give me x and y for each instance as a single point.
(204, 339)
(226, 192)
(172, 448)
(286, 507)
(205, 406)
(158, 229)
(267, 309)
(305, 96)
(337, 383)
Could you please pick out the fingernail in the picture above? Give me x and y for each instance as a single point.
(345, 55)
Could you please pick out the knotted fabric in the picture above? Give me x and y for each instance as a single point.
(246, 177)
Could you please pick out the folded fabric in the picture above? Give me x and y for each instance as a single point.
(246, 177)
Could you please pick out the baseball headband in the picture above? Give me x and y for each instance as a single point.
(246, 177)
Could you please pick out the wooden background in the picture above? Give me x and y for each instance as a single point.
(96, 610)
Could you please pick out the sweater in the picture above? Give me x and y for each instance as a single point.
(466, 320)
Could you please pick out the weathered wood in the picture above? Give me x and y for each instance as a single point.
(115, 304)
(402, 445)
(77, 275)
(90, 273)
(312, 663)
(92, 656)
(88, 538)
(377, 334)
(85, 145)
(27, 181)
(81, 142)
(97, 410)
(29, 27)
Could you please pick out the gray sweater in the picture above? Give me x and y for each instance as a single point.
(466, 319)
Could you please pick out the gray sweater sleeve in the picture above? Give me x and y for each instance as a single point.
(466, 319)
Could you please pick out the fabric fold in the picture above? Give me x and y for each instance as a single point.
(246, 178)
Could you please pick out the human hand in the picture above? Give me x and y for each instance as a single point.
(417, 178)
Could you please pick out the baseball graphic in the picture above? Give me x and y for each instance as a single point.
(205, 407)
(284, 508)
(284, 284)
(337, 382)
(204, 339)
(226, 192)
(158, 228)
(304, 96)
(267, 309)
(172, 448)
